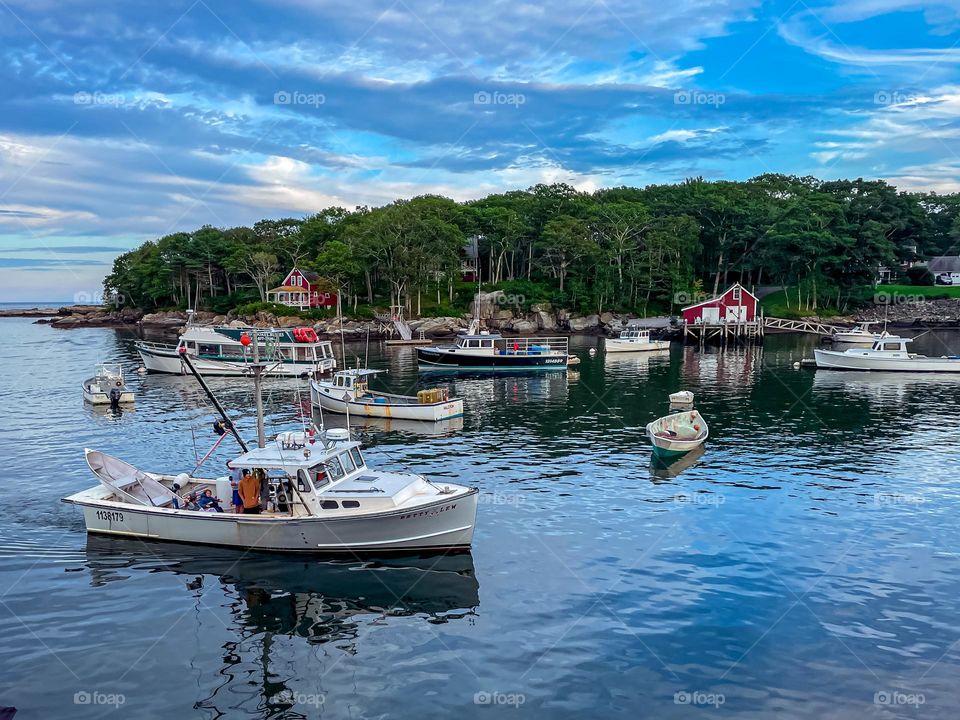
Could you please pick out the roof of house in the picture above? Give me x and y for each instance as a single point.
(288, 288)
(717, 297)
(943, 264)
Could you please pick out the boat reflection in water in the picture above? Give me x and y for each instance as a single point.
(278, 611)
(664, 469)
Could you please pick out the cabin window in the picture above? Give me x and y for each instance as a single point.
(486, 343)
(329, 505)
(473, 343)
(357, 457)
(209, 349)
(320, 477)
(191, 345)
(736, 293)
(351, 504)
(891, 346)
(347, 462)
(334, 469)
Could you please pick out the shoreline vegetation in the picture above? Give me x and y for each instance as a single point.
(554, 258)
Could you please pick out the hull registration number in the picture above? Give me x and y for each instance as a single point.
(111, 515)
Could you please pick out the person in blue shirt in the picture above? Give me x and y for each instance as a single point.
(209, 502)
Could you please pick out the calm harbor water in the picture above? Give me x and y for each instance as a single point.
(805, 565)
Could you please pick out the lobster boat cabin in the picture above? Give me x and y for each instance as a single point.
(348, 392)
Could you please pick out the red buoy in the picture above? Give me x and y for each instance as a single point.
(245, 340)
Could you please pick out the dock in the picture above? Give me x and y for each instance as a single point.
(751, 332)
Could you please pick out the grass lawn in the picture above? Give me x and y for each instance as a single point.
(775, 305)
(931, 292)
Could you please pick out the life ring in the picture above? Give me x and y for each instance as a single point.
(305, 335)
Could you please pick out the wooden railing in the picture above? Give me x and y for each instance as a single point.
(806, 326)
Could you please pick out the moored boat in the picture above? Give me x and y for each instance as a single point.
(107, 386)
(348, 392)
(859, 334)
(226, 351)
(678, 433)
(634, 340)
(482, 350)
(888, 353)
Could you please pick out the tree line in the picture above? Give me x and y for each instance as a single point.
(620, 248)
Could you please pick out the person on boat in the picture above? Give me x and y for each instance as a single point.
(175, 502)
(208, 502)
(236, 500)
(249, 491)
(191, 502)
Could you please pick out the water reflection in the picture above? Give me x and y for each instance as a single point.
(666, 469)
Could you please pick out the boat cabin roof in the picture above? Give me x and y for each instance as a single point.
(884, 343)
(277, 457)
(357, 372)
(484, 335)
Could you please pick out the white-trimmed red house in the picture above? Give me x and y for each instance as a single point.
(301, 289)
(737, 304)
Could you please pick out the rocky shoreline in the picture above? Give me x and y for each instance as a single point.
(542, 318)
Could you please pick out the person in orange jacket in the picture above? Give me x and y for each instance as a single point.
(250, 494)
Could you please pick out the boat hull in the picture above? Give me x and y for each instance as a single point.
(433, 359)
(615, 345)
(428, 412)
(867, 360)
(445, 524)
(169, 362)
(672, 447)
(102, 398)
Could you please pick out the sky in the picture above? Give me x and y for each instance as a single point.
(124, 121)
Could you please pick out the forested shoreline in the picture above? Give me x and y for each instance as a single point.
(620, 249)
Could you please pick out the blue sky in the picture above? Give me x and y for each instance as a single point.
(124, 121)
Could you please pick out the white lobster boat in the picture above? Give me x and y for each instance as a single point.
(888, 353)
(323, 498)
(107, 386)
(634, 340)
(677, 434)
(860, 334)
(226, 351)
(348, 392)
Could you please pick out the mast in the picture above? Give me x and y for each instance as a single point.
(213, 398)
(257, 370)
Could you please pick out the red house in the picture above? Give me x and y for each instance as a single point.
(300, 289)
(737, 304)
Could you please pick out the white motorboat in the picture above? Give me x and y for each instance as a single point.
(317, 495)
(677, 434)
(227, 351)
(489, 351)
(348, 392)
(107, 386)
(634, 340)
(887, 353)
(860, 334)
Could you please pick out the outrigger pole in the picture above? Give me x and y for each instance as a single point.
(213, 398)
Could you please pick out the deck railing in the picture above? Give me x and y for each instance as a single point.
(535, 345)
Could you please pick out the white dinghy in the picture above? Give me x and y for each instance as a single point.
(677, 434)
(107, 386)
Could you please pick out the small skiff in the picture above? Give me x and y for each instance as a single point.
(107, 387)
(677, 434)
